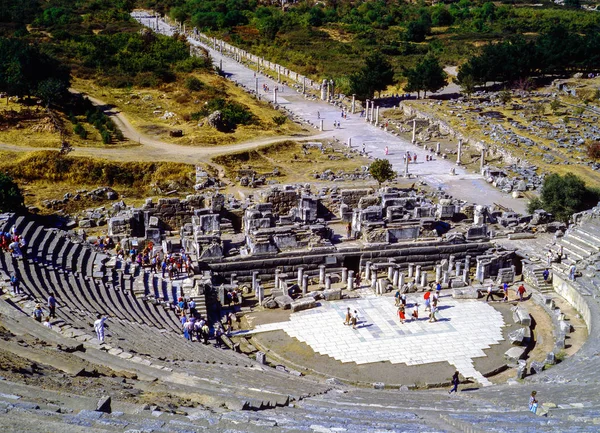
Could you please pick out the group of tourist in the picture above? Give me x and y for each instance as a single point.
(172, 265)
(12, 242)
(491, 292)
(194, 325)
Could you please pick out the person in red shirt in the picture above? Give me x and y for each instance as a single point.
(521, 291)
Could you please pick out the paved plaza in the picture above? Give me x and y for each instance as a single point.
(470, 187)
(463, 331)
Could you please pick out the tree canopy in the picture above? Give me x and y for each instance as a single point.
(376, 75)
(427, 76)
(382, 171)
(11, 198)
(25, 70)
(563, 196)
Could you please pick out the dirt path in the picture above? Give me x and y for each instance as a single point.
(146, 148)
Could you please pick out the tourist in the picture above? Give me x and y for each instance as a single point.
(183, 319)
(415, 313)
(386, 150)
(490, 293)
(505, 290)
(205, 333)
(14, 283)
(433, 313)
(38, 313)
(99, 327)
(318, 115)
(402, 313)
(521, 291)
(348, 230)
(198, 329)
(188, 328)
(192, 305)
(533, 403)
(403, 299)
(438, 287)
(52, 305)
(572, 271)
(546, 274)
(47, 323)
(397, 298)
(164, 267)
(218, 336)
(549, 257)
(455, 381)
(348, 320)
(354, 319)
(427, 297)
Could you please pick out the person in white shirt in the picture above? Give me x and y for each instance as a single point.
(99, 327)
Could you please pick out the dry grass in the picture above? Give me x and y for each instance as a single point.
(145, 109)
(294, 163)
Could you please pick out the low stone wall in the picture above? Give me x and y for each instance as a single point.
(565, 288)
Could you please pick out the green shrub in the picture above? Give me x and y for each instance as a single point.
(193, 84)
(80, 130)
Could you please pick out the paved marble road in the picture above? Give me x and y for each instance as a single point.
(463, 185)
(463, 330)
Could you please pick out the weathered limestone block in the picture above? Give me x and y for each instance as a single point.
(514, 354)
(284, 301)
(332, 294)
(520, 336)
(465, 293)
(303, 304)
(521, 315)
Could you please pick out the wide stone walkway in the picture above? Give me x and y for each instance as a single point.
(463, 330)
(463, 185)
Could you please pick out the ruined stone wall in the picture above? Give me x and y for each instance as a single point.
(426, 254)
(492, 150)
(282, 200)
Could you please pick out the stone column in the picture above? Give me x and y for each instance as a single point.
(321, 274)
(438, 273)
(304, 284)
(275, 95)
(414, 133)
(232, 278)
(468, 262)
(401, 281)
(458, 268)
(327, 282)
(482, 161)
(438, 148)
(300, 275)
(277, 272)
(465, 276)
(350, 281)
(350, 142)
(221, 65)
(254, 281)
(344, 274)
(260, 293)
(458, 154)
(324, 90)
(367, 110)
(424, 279)
(411, 270)
(368, 271)
(451, 263)
(372, 115)
(405, 167)
(445, 277)
(303, 85)
(278, 74)
(391, 267)
(396, 278)
(321, 125)
(480, 272)
(418, 273)
(353, 104)
(374, 281)
(377, 116)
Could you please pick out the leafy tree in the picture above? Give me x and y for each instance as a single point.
(417, 31)
(564, 195)
(11, 198)
(382, 171)
(376, 75)
(467, 85)
(427, 76)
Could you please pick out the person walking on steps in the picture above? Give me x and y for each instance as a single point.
(99, 327)
(455, 382)
(490, 293)
(52, 305)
